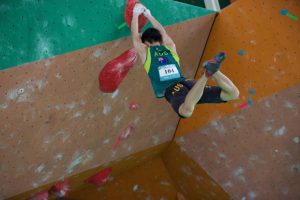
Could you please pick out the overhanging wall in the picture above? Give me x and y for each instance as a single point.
(58, 123)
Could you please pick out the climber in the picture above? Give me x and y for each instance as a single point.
(161, 62)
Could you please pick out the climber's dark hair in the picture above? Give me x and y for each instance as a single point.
(151, 35)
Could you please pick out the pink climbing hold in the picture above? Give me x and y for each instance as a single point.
(129, 13)
(243, 105)
(113, 73)
(123, 136)
(134, 106)
(43, 195)
(101, 177)
(60, 189)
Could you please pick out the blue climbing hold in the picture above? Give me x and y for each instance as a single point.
(284, 12)
(250, 102)
(241, 52)
(252, 92)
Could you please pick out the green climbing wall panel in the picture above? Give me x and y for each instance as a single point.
(36, 29)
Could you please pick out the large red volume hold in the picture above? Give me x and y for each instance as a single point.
(129, 13)
(112, 74)
(101, 177)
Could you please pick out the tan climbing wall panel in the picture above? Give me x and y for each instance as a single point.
(271, 45)
(252, 153)
(56, 122)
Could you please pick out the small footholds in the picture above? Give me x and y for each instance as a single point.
(125, 133)
(241, 52)
(243, 105)
(284, 12)
(134, 106)
(250, 102)
(21, 91)
(135, 188)
(252, 92)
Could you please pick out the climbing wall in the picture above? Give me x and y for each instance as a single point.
(148, 181)
(250, 156)
(250, 146)
(33, 30)
(56, 122)
(262, 54)
(190, 178)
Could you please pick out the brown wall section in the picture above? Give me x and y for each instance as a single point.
(271, 44)
(148, 181)
(253, 153)
(55, 122)
(127, 165)
(190, 178)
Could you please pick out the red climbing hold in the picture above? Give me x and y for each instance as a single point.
(113, 73)
(43, 195)
(101, 177)
(60, 189)
(129, 13)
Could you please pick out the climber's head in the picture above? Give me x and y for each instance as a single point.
(151, 37)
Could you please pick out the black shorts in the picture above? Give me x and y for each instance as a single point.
(175, 94)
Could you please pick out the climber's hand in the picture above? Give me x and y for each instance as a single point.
(138, 9)
(147, 13)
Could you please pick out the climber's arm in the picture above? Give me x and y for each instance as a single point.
(167, 40)
(137, 42)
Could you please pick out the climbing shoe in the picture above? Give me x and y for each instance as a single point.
(213, 65)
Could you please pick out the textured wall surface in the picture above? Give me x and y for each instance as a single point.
(33, 30)
(188, 176)
(253, 153)
(121, 167)
(263, 48)
(148, 181)
(57, 123)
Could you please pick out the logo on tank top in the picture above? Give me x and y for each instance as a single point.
(162, 60)
(158, 53)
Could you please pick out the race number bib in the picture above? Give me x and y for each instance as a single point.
(168, 72)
